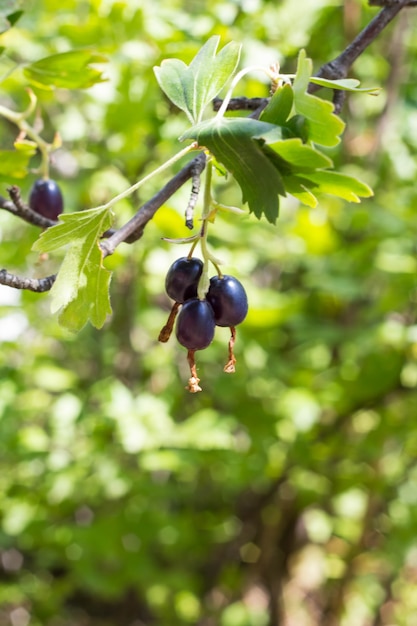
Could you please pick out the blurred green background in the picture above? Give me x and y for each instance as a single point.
(286, 493)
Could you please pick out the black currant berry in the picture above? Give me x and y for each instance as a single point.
(181, 281)
(228, 299)
(195, 324)
(46, 198)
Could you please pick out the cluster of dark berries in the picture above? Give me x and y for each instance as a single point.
(225, 304)
(45, 198)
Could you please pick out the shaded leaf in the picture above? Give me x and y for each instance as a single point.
(297, 126)
(279, 107)
(70, 70)
(298, 187)
(237, 143)
(81, 289)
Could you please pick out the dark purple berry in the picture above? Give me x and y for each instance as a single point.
(46, 198)
(181, 281)
(195, 324)
(228, 299)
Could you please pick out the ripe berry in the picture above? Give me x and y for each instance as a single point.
(46, 198)
(228, 299)
(195, 324)
(181, 281)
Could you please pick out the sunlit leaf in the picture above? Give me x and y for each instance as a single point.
(337, 184)
(14, 163)
(298, 187)
(345, 84)
(81, 289)
(26, 146)
(70, 70)
(302, 157)
(192, 87)
(324, 127)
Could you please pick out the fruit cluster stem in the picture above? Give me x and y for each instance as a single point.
(193, 386)
(229, 368)
(166, 331)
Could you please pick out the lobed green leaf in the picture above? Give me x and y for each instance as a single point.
(299, 188)
(337, 184)
(324, 127)
(237, 144)
(70, 70)
(81, 289)
(300, 156)
(279, 107)
(192, 87)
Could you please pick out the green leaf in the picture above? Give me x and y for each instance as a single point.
(301, 156)
(237, 143)
(92, 302)
(345, 84)
(297, 126)
(14, 163)
(298, 187)
(70, 70)
(10, 11)
(324, 127)
(81, 289)
(26, 146)
(279, 107)
(191, 88)
(337, 184)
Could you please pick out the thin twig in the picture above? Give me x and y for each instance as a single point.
(386, 3)
(17, 207)
(39, 285)
(240, 104)
(133, 229)
(339, 67)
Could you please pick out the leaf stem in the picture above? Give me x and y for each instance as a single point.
(145, 179)
(222, 110)
(203, 283)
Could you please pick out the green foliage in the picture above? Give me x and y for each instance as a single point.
(70, 70)
(192, 88)
(122, 498)
(324, 127)
(81, 289)
(237, 143)
(248, 148)
(14, 163)
(344, 84)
